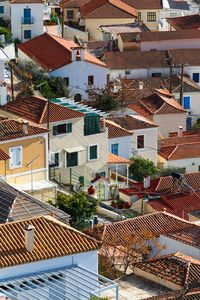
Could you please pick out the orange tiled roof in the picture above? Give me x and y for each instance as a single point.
(115, 130)
(185, 22)
(13, 129)
(26, 1)
(115, 159)
(157, 223)
(132, 122)
(94, 5)
(35, 109)
(3, 155)
(180, 151)
(177, 268)
(179, 204)
(52, 52)
(178, 140)
(51, 239)
(186, 133)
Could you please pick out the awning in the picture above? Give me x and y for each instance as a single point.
(75, 149)
(115, 160)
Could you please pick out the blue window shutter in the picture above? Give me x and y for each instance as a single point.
(27, 34)
(114, 149)
(186, 102)
(1, 9)
(195, 77)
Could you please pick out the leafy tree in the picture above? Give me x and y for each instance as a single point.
(168, 171)
(141, 167)
(197, 123)
(79, 206)
(118, 256)
(103, 99)
(7, 33)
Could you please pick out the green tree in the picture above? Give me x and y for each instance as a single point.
(141, 167)
(7, 33)
(79, 206)
(103, 99)
(197, 123)
(168, 171)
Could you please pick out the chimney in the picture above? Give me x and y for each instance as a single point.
(25, 127)
(141, 85)
(180, 131)
(3, 93)
(29, 237)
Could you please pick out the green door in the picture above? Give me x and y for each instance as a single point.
(100, 191)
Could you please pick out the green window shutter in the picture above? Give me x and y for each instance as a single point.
(56, 158)
(72, 159)
(69, 127)
(93, 152)
(55, 130)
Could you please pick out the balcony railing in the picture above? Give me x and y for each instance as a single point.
(28, 20)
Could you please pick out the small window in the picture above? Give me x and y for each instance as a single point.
(93, 152)
(1, 9)
(127, 72)
(195, 77)
(114, 149)
(66, 81)
(156, 74)
(151, 17)
(15, 154)
(27, 34)
(72, 159)
(90, 80)
(70, 14)
(186, 102)
(62, 128)
(140, 141)
(139, 16)
(55, 159)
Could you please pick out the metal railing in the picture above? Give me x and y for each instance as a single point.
(29, 20)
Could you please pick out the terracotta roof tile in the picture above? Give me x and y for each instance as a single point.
(186, 133)
(185, 22)
(171, 141)
(145, 4)
(180, 151)
(73, 3)
(115, 130)
(26, 1)
(190, 236)
(179, 204)
(53, 52)
(104, 8)
(51, 239)
(3, 155)
(176, 268)
(133, 122)
(35, 109)
(192, 295)
(115, 159)
(157, 223)
(13, 129)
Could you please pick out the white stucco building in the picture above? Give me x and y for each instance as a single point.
(66, 59)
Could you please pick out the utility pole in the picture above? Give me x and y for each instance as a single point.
(11, 79)
(63, 20)
(48, 116)
(170, 74)
(181, 86)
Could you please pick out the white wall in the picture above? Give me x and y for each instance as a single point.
(1, 70)
(150, 143)
(78, 72)
(170, 44)
(87, 260)
(124, 148)
(175, 245)
(6, 14)
(191, 164)
(17, 12)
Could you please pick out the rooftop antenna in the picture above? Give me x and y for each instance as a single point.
(27, 165)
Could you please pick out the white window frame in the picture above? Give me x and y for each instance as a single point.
(66, 166)
(10, 160)
(54, 152)
(57, 124)
(140, 149)
(97, 152)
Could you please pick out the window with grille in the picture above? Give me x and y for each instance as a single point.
(140, 141)
(70, 14)
(72, 159)
(114, 149)
(55, 159)
(15, 154)
(139, 16)
(90, 80)
(151, 17)
(93, 152)
(62, 128)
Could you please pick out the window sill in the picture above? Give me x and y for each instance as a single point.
(15, 167)
(93, 159)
